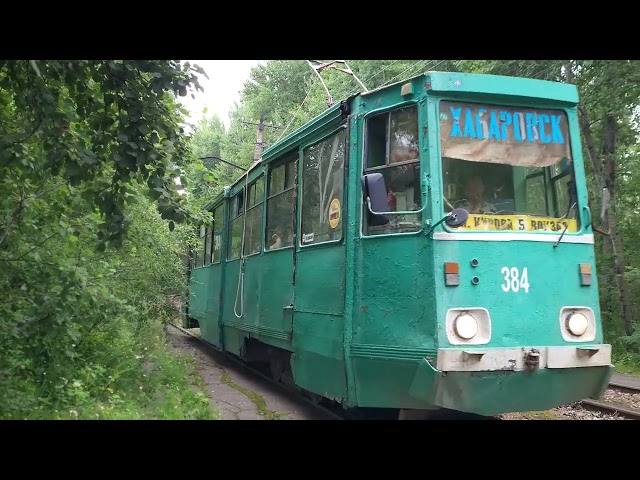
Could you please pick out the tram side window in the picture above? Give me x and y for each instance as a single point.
(322, 190)
(279, 231)
(207, 246)
(199, 259)
(218, 229)
(392, 149)
(253, 234)
(235, 223)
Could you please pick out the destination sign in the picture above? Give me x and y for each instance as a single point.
(497, 134)
(519, 222)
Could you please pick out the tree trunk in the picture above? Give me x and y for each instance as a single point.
(618, 255)
(605, 176)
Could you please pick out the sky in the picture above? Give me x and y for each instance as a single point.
(226, 78)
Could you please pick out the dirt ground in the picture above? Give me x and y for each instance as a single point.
(237, 394)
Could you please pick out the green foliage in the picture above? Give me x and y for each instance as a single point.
(85, 319)
(89, 153)
(99, 124)
(203, 176)
(208, 137)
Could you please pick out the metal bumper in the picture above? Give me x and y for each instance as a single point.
(523, 358)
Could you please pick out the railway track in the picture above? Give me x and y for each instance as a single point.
(624, 387)
(620, 385)
(334, 410)
(609, 408)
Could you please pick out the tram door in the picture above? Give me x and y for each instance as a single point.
(320, 267)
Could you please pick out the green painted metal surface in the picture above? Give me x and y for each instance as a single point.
(499, 87)
(198, 287)
(362, 313)
(517, 318)
(319, 358)
(320, 282)
(491, 393)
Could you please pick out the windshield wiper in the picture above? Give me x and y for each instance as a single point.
(567, 225)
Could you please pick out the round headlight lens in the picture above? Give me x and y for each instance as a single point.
(577, 324)
(466, 327)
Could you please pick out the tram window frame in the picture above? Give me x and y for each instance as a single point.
(341, 131)
(556, 189)
(207, 245)
(235, 216)
(254, 206)
(274, 193)
(388, 166)
(540, 173)
(200, 250)
(553, 190)
(218, 224)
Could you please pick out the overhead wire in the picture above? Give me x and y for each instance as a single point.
(382, 69)
(409, 68)
(426, 64)
(353, 92)
(295, 114)
(419, 64)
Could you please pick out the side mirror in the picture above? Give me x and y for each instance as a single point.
(606, 199)
(457, 218)
(374, 188)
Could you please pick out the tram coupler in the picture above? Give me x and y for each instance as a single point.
(532, 359)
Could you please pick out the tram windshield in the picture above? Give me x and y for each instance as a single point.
(510, 167)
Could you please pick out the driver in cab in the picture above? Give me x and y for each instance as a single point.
(474, 201)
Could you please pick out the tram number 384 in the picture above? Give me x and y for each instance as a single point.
(514, 280)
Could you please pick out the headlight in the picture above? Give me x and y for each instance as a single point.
(577, 324)
(466, 326)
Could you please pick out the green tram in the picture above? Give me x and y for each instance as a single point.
(424, 246)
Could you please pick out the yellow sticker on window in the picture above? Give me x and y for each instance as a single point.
(334, 213)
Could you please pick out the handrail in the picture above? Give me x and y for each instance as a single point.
(400, 212)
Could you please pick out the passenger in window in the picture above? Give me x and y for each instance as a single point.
(474, 201)
(277, 239)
